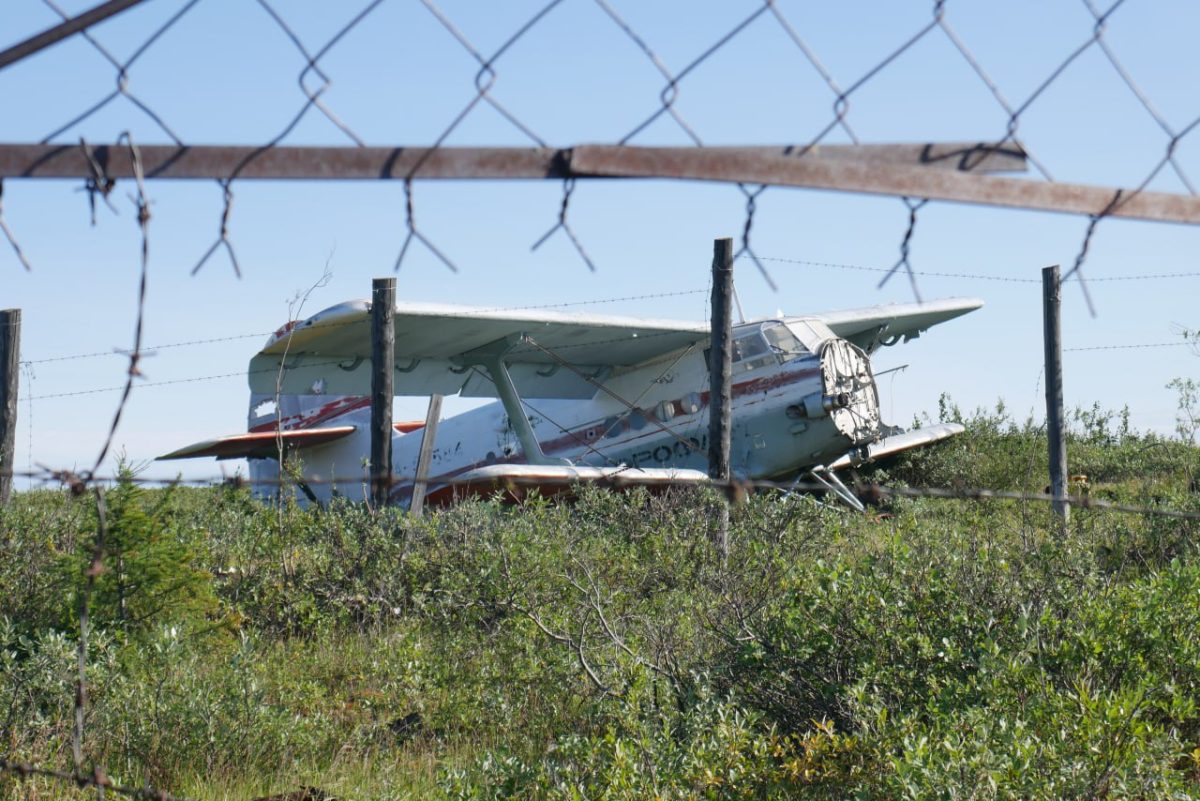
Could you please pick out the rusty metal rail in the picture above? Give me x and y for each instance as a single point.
(44, 160)
(952, 171)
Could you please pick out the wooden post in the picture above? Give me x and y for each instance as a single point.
(720, 360)
(720, 372)
(383, 361)
(10, 363)
(425, 455)
(1055, 426)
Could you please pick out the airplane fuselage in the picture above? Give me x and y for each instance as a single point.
(797, 401)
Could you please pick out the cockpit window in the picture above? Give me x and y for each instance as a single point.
(748, 346)
(774, 342)
(763, 345)
(782, 341)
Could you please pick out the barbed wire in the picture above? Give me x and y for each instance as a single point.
(244, 373)
(532, 347)
(97, 779)
(143, 385)
(149, 349)
(248, 372)
(984, 276)
(1129, 347)
(79, 484)
(135, 354)
(630, 478)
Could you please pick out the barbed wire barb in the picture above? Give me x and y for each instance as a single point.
(98, 183)
(135, 354)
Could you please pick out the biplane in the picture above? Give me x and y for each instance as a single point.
(581, 398)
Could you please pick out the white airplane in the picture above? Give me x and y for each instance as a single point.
(581, 398)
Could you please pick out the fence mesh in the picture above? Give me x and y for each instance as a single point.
(518, 36)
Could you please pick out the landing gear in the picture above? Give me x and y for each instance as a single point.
(830, 481)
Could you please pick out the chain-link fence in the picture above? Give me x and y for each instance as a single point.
(729, 103)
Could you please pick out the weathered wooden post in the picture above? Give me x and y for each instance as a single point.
(720, 371)
(10, 363)
(383, 360)
(1056, 431)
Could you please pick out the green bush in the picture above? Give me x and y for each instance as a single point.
(601, 649)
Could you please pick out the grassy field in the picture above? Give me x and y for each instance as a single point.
(927, 649)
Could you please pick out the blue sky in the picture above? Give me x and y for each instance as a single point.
(226, 73)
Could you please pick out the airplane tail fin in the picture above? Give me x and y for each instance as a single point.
(269, 412)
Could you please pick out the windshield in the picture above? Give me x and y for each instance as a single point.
(811, 333)
(762, 345)
(782, 341)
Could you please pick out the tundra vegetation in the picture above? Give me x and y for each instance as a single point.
(929, 648)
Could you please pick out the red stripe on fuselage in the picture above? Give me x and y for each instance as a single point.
(576, 438)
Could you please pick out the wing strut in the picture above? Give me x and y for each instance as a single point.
(491, 358)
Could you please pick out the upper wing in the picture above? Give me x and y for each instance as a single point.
(884, 325)
(331, 351)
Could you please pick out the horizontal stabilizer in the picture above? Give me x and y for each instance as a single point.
(898, 443)
(261, 444)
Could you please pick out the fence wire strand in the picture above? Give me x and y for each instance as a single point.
(46, 476)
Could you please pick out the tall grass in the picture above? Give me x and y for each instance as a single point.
(599, 649)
